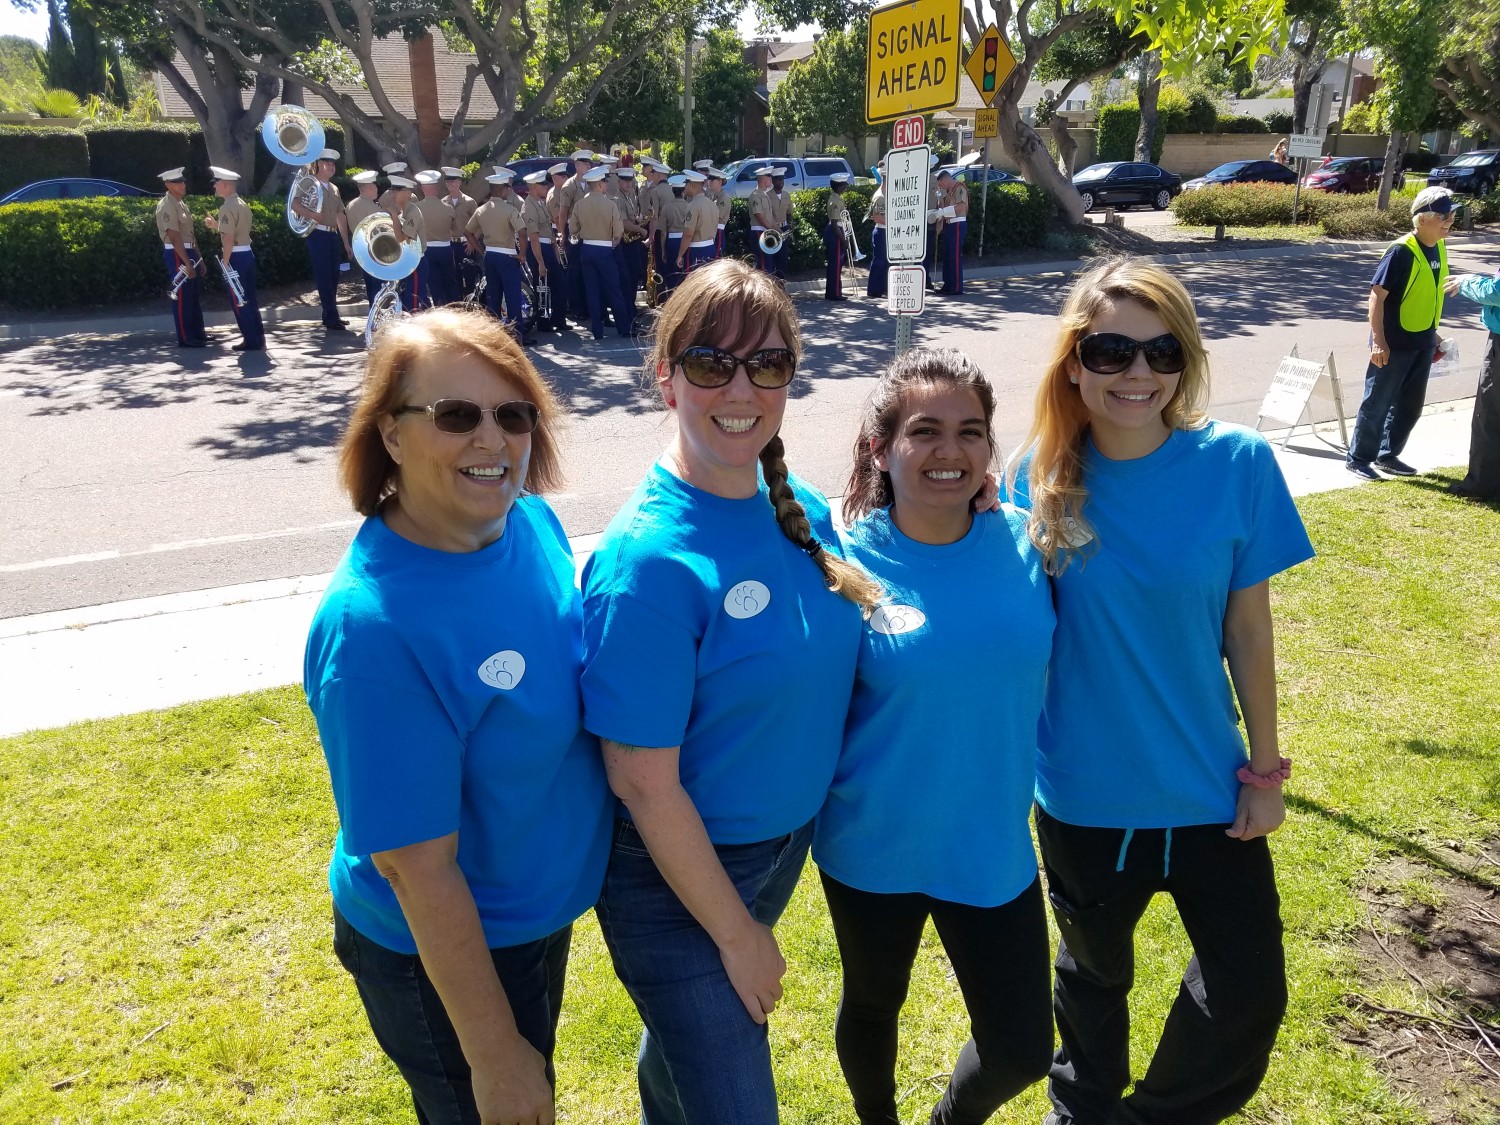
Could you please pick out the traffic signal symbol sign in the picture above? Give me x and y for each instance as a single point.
(990, 64)
(991, 60)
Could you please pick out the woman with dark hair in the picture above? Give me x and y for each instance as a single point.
(442, 668)
(721, 628)
(928, 812)
(1161, 529)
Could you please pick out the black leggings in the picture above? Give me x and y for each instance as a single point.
(999, 956)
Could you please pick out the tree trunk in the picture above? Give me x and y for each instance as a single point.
(1067, 147)
(1393, 149)
(1148, 87)
(1030, 153)
(422, 58)
(1306, 71)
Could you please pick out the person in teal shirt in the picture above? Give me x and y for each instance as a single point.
(1482, 482)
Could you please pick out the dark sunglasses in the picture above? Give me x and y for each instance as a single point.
(1109, 353)
(768, 368)
(460, 416)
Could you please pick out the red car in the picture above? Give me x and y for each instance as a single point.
(1354, 174)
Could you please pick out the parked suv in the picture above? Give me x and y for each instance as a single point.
(1474, 172)
(802, 172)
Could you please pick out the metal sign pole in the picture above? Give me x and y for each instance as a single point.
(984, 195)
(903, 334)
(1297, 192)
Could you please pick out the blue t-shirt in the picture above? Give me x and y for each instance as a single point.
(706, 628)
(1139, 729)
(445, 687)
(934, 785)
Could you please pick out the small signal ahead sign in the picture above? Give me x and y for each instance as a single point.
(990, 64)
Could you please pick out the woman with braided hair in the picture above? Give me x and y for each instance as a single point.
(721, 629)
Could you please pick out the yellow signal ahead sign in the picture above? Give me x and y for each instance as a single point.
(990, 64)
(912, 62)
(986, 123)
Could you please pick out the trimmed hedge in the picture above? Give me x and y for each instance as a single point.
(1117, 127)
(1278, 121)
(1259, 205)
(1241, 124)
(137, 154)
(75, 252)
(28, 155)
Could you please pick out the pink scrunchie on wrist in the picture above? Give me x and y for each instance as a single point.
(1270, 780)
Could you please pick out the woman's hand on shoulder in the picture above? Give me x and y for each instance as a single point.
(1259, 813)
(511, 1088)
(988, 497)
(755, 967)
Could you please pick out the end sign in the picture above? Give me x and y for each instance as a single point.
(912, 61)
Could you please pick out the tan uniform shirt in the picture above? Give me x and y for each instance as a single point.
(173, 214)
(437, 218)
(702, 220)
(657, 196)
(462, 207)
(958, 194)
(554, 207)
(596, 219)
(629, 204)
(332, 208)
(498, 223)
(538, 222)
(359, 210)
(781, 208)
(674, 216)
(234, 222)
(724, 203)
(877, 206)
(573, 190)
(762, 205)
(838, 210)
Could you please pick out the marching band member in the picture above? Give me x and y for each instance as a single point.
(396, 168)
(723, 202)
(436, 269)
(462, 205)
(562, 288)
(595, 222)
(762, 219)
(174, 223)
(633, 246)
(781, 215)
(574, 190)
(332, 228)
(875, 284)
(700, 234)
(674, 220)
(833, 238)
(953, 209)
(360, 208)
(539, 253)
(408, 224)
(233, 224)
(499, 223)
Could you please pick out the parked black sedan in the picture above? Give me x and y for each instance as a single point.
(1122, 183)
(1474, 173)
(71, 188)
(1245, 172)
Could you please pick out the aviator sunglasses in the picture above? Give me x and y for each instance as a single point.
(460, 416)
(1109, 353)
(768, 368)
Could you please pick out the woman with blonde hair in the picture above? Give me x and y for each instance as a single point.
(442, 668)
(721, 627)
(1161, 529)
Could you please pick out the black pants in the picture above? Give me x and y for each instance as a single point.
(1218, 1036)
(999, 956)
(1483, 479)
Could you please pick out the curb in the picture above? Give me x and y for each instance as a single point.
(304, 314)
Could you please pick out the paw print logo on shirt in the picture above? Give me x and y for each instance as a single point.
(746, 599)
(893, 620)
(503, 670)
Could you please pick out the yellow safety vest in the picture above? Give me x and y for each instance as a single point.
(1422, 302)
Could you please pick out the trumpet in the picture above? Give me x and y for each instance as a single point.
(179, 279)
(770, 241)
(232, 280)
(294, 136)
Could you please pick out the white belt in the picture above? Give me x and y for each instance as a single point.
(185, 245)
(674, 234)
(241, 246)
(544, 241)
(599, 242)
(320, 226)
(500, 250)
(754, 227)
(701, 245)
(721, 226)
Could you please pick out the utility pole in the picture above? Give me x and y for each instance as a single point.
(687, 94)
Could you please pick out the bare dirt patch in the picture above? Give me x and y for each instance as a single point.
(1430, 1011)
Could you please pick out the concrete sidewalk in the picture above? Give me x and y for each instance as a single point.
(117, 659)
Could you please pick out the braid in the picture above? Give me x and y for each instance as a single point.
(843, 578)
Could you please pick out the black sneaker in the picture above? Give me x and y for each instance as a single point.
(1362, 470)
(1395, 466)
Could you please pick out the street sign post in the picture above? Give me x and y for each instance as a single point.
(1305, 144)
(912, 62)
(990, 64)
(907, 290)
(906, 190)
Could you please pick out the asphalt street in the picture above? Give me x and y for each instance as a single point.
(134, 469)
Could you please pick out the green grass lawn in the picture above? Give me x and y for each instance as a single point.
(164, 917)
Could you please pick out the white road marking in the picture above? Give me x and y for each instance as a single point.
(178, 545)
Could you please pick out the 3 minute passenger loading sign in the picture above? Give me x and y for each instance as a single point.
(912, 63)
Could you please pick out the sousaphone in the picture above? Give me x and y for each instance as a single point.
(294, 136)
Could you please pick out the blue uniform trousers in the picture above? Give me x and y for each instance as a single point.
(441, 281)
(719, 242)
(187, 312)
(763, 261)
(698, 256)
(783, 256)
(671, 272)
(327, 250)
(577, 299)
(247, 316)
(502, 273)
(952, 236)
(635, 255)
(372, 286)
(833, 274)
(601, 280)
(875, 286)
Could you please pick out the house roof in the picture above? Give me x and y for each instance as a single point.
(784, 55)
(393, 64)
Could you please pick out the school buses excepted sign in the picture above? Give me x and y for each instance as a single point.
(912, 64)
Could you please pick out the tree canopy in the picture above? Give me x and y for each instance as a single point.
(824, 94)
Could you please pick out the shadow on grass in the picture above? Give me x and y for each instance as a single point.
(1407, 847)
(1444, 482)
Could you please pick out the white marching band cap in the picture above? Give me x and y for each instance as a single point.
(365, 177)
(594, 175)
(171, 175)
(625, 173)
(583, 154)
(678, 180)
(558, 170)
(497, 178)
(536, 178)
(765, 170)
(394, 169)
(692, 177)
(839, 178)
(429, 176)
(451, 173)
(222, 173)
(702, 165)
(779, 171)
(610, 160)
(502, 175)
(715, 173)
(401, 182)
(330, 154)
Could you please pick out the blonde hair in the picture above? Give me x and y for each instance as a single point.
(1059, 430)
(366, 469)
(728, 295)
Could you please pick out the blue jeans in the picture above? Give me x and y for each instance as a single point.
(413, 1029)
(1394, 397)
(703, 1060)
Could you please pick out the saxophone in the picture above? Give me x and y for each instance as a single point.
(651, 274)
